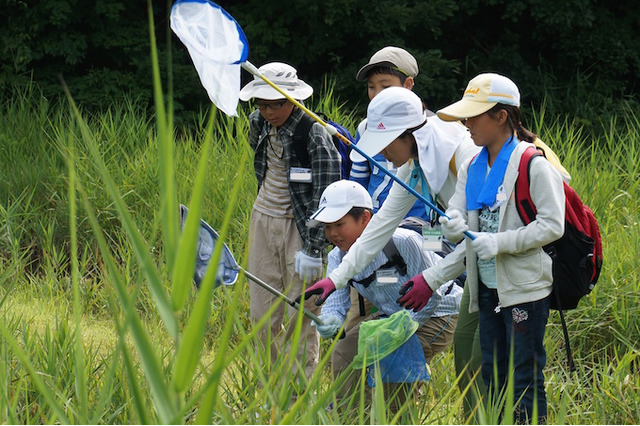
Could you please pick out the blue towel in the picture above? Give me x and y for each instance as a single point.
(481, 192)
(418, 176)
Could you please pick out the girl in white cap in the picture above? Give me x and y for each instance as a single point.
(509, 275)
(283, 251)
(421, 148)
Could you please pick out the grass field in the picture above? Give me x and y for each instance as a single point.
(102, 324)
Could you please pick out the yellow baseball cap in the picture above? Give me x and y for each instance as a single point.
(482, 93)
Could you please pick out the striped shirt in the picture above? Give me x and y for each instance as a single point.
(384, 290)
(273, 197)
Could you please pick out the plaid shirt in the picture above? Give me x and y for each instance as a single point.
(325, 169)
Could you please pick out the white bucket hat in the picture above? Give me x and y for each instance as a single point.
(338, 199)
(389, 114)
(282, 75)
(482, 93)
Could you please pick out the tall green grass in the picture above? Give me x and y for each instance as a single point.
(102, 324)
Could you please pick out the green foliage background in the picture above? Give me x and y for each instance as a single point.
(119, 362)
(578, 57)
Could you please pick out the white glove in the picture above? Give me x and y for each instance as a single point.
(454, 226)
(329, 327)
(485, 245)
(308, 266)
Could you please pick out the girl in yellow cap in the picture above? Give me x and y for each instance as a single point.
(509, 275)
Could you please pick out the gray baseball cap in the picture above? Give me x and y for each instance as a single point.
(391, 56)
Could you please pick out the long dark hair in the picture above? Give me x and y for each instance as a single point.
(409, 134)
(513, 120)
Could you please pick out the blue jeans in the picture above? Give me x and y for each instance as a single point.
(523, 327)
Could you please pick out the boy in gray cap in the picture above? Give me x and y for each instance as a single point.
(283, 251)
(395, 67)
(389, 67)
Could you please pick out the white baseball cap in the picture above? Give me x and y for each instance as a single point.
(282, 75)
(338, 199)
(393, 57)
(390, 113)
(482, 93)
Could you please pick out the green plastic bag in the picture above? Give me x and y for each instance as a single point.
(378, 338)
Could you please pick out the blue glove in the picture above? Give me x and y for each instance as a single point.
(329, 327)
(485, 245)
(454, 226)
(309, 267)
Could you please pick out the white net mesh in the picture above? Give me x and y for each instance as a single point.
(217, 46)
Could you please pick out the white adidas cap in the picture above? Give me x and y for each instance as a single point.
(338, 199)
(390, 113)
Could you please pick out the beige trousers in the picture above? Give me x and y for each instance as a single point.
(273, 243)
(353, 316)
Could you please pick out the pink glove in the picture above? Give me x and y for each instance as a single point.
(415, 293)
(323, 287)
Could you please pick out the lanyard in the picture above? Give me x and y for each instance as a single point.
(418, 176)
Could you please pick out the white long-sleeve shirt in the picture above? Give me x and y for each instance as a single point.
(399, 201)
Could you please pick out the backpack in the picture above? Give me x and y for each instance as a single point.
(395, 261)
(577, 255)
(301, 137)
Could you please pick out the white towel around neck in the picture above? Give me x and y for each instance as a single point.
(437, 141)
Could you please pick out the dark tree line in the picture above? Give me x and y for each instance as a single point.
(579, 57)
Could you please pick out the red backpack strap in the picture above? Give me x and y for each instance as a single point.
(524, 203)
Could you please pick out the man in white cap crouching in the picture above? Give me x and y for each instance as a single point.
(346, 209)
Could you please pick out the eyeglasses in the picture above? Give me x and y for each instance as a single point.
(274, 105)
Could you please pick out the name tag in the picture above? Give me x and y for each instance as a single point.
(300, 174)
(386, 276)
(431, 238)
(501, 197)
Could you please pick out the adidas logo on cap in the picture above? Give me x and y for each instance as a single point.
(381, 126)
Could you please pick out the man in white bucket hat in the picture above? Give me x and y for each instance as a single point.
(291, 176)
